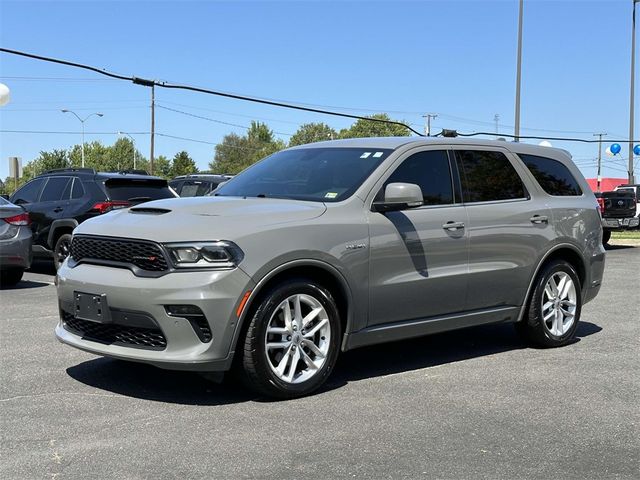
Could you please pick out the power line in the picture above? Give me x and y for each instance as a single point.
(214, 120)
(530, 137)
(152, 83)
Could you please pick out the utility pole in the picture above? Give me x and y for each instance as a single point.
(599, 178)
(518, 75)
(631, 113)
(496, 118)
(153, 124)
(427, 128)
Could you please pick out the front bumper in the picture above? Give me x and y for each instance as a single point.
(216, 293)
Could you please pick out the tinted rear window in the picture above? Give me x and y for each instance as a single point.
(197, 188)
(554, 177)
(141, 190)
(488, 176)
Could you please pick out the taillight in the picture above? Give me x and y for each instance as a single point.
(21, 219)
(104, 207)
(600, 205)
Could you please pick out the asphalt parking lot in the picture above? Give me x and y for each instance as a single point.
(467, 404)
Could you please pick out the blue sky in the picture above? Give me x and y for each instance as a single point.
(454, 58)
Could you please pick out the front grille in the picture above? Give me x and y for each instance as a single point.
(144, 255)
(111, 333)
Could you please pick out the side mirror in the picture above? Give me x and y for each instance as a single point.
(399, 196)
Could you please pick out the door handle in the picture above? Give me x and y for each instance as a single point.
(538, 219)
(452, 226)
(58, 209)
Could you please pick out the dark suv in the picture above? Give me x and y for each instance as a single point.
(197, 185)
(58, 200)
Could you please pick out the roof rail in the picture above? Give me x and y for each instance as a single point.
(71, 169)
(132, 170)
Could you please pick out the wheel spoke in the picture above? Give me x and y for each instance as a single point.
(566, 313)
(277, 330)
(297, 309)
(546, 306)
(560, 286)
(294, 364)
(567, 286)
(286, 310)
(554, 286)
(558, 323)
(307, 359)
(283, 362)
(548, 290)
(312, 346)
(549, 315)
(315, 329)
(276, 345)
(568, 303)
(310, 316)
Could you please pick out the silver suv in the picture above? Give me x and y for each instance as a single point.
(328, 247)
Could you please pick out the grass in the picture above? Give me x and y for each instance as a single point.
(626, 235)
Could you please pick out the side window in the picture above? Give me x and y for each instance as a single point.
(430, 170)
(554, 177)
(54, 189)
(488, 176)
(28, 193)
(77, 191)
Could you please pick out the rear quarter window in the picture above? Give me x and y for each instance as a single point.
(553, 176)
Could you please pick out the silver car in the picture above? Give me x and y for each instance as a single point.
(331, 246)
(15, 242)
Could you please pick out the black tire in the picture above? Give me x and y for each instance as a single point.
(61, 249)
(533, 328)
(10, 276)
(606, 236)
(256, 370)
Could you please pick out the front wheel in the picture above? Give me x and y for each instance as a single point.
(62, 249)
(292, 341)
(554, 309)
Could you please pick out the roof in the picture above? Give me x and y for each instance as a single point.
(396, 142)
(90, 172)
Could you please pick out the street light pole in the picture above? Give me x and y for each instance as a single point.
(631, 91)
(599, 177)
(134, 147)
(518, 75)
(82, 122)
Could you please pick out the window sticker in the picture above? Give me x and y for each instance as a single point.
(378, 154)
(365, 155)
(331, 195)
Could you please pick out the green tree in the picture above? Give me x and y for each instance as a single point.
(120, 155)
(366, 128)
(183, 164)
(235, 152)
(161, 166)
(96, 156)
(312, 132)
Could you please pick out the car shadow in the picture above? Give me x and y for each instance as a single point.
(618, 247)
(25, 284)
(43, 266)
(150, 383)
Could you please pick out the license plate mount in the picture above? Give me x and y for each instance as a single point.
(92, 307)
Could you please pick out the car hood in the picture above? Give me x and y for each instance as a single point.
(200, 218)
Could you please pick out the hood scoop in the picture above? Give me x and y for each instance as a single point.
(149, 210)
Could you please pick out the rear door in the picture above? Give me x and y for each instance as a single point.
(49, 207)
(508, 228)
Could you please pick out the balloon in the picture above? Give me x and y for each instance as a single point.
(636, 149)
(615, 148)
(609, 152)
(4, 94)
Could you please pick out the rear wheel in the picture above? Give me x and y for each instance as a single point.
(62, 249)
(606, 236)
(10, 276)
(292, 341)
(554, 309)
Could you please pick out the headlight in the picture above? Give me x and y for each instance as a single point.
(204, 254)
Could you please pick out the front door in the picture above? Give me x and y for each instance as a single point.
(418, 257)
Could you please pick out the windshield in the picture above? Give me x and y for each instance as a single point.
(315, 174)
